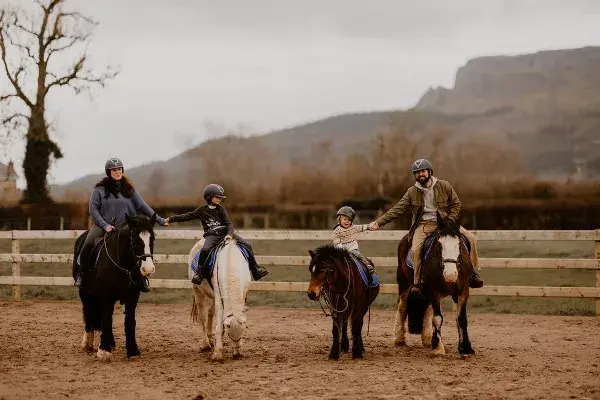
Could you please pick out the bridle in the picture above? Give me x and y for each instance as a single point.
(138, 258)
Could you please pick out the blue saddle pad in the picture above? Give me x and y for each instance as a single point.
(362, 269)
(428, 245)
(212, 257)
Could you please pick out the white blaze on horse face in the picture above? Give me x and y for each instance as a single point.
(147, 268)
(450, 251)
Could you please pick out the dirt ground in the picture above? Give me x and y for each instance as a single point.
(518, 357)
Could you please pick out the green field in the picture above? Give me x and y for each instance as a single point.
(516, 277)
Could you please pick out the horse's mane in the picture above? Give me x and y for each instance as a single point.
(447, 227)
(329, 251)
(142, 223)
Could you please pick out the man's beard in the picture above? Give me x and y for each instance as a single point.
(423, 180)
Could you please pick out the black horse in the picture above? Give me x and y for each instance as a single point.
(446, 271)
(334, 274)
(124, 258)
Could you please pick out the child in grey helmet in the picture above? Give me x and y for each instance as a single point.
(344, 236)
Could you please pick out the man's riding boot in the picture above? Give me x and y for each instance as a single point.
(145, 285)
(256, 270)
(199, 274)
(475, 281)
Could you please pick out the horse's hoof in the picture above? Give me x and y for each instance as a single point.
(464, 353)
(426, 342)
(357, 356)
(205, 349)
(104, 355)
(439, 351)
(400, 342)
(237, 356)
(334, 357)
(133, 358)
(217, 357)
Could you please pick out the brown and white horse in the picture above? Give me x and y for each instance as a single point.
(446, 272)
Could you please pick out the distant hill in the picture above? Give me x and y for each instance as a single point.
(546, 105)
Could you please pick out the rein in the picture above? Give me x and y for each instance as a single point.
(326, 288)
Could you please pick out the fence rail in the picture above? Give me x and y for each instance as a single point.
(16, 257)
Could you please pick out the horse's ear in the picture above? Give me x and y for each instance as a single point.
(153, 219)
(312, 254)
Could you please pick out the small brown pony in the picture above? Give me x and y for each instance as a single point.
(334, 275)
(446, 272)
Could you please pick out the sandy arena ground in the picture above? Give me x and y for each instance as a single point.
(518, 357)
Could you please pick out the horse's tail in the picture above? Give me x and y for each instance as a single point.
(416, 305)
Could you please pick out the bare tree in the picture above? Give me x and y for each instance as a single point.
(29, 43)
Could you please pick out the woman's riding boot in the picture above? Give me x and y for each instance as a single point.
(475, 281)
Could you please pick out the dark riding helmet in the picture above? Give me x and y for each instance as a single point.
(213, 190)
(420, 164)
(113, 163)
(346, 211)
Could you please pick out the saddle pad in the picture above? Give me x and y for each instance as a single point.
(428, 245)
(212, 258)
(362, 269)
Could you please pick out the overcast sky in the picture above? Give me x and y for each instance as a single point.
(273, 64)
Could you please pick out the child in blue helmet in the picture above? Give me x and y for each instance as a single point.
(217, 227)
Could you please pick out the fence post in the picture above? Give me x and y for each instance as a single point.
(266, 220)
(62, 223)
(247, 221)
(597, 248)
(16, 266)
(28, 223)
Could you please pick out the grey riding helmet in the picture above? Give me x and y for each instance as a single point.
(346, 211)
(420, 164)
(113, 163)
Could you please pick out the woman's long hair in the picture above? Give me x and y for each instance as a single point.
(113, 187)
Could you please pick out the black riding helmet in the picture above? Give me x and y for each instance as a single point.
(420, 164)
(113, 163)
(346, 211)
(213, 190)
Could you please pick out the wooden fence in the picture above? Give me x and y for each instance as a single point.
(16, 257)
